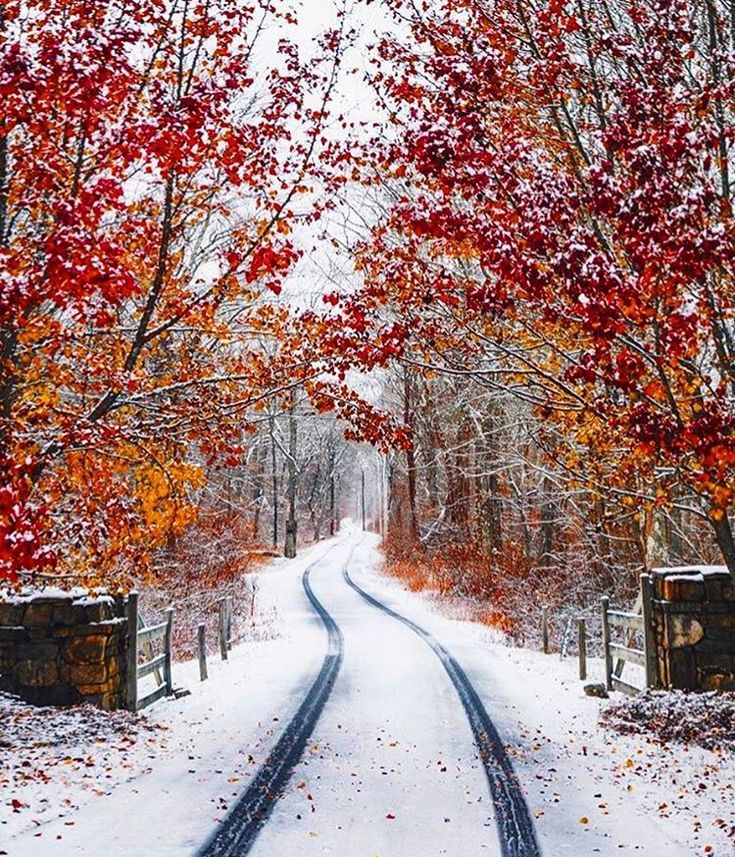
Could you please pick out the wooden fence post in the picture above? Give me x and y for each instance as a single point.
(131, 690)
(545, 629)
(167, 677)
(230, 607)
(223, 629)
(649, 637)
(606, 643)
(582, 647)
(202, 646)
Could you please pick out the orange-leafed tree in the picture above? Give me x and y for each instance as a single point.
(151, 158)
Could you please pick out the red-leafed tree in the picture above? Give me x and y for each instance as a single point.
(559, 222)
(151, 156)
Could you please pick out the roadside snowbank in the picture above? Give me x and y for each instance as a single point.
(72, 778)
(566, 756)
(159, 782)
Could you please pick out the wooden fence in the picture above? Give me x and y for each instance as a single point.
(141, 640)
(634, 641)
(632, 627)
(142, 660)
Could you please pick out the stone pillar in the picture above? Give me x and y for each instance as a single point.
(694, 622)
(63, 649)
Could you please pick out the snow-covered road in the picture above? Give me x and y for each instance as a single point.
(390, 768)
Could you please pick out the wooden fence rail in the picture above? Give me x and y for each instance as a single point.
(142, 639)
(632, 625)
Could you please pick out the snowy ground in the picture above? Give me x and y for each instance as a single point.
(591, 791)
(391, 769)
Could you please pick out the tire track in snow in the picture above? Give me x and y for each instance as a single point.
(515, 827)
(238, 832)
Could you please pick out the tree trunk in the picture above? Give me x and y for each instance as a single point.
(548, 515)
(491, 502)
(332, 503)
(676, 543)
(291, 487)
(274, 478)
(603, 559)
(410, 456)
(362, 498)
(492, 515)
(8, 344)
(259, 487)
(8, 335)
(656, 548)
(723, 534)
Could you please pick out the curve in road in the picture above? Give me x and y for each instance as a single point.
(516, 833)
(238, 832)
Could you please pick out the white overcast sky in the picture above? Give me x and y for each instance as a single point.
(353, 99)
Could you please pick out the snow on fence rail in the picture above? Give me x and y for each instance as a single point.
(635, 625)
(141, 639)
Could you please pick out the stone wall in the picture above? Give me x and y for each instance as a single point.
(694, 623)
(63, 649)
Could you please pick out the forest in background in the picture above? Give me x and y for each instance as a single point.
(550, 261)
